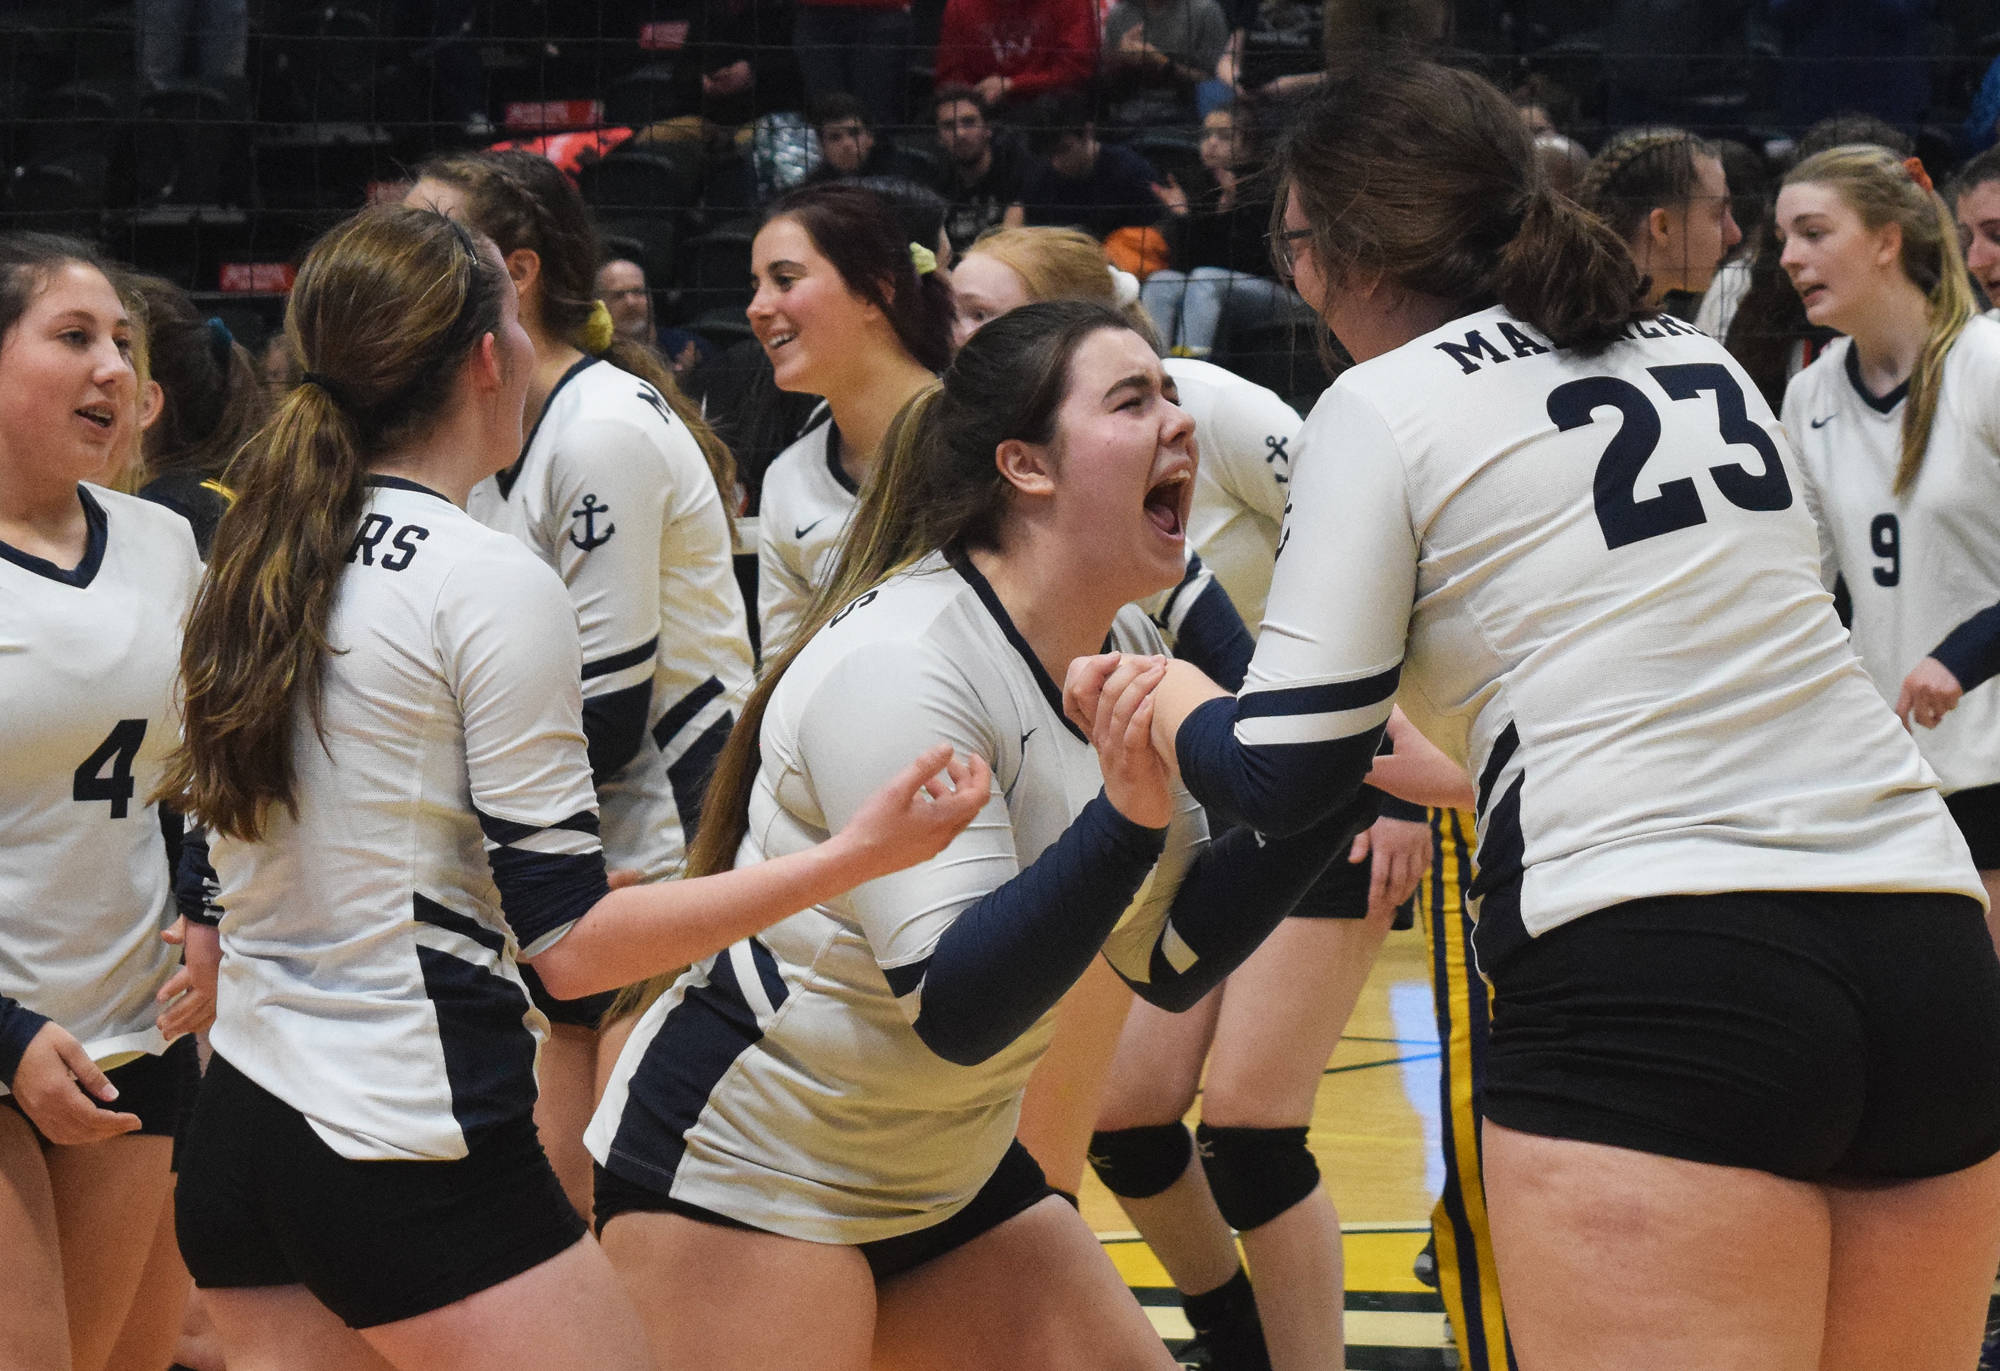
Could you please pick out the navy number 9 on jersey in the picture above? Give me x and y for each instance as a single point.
(1624, 517)
(119, 747)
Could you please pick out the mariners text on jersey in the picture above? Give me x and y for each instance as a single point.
(1587, 577)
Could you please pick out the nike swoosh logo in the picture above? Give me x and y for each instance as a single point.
(1822, 423)
(802, 532)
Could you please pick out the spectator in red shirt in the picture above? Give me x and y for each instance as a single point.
(1011, 51)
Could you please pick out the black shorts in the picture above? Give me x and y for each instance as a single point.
(1341, 892)
(1016, 1184)
(1977, 814)
(1817, 1036)
(587, 1012)
(159, 1089)
(263, 1201)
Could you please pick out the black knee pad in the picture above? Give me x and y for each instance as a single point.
(1256, 1174)
(1138, 1163)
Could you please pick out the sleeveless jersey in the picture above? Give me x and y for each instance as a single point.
(613, 492)
(781, 1082)
(1919, 564)
(368, 973)
(88, 659)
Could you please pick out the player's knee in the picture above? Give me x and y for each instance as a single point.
(1256, 1174)
(1138, 1163)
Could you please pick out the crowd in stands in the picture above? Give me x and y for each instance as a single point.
(1145, 123)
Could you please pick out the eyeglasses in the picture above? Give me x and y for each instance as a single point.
(1281, 244)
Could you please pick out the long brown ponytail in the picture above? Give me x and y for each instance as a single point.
(1880, 187)
(936, 485)
(1425, 176)
(522, 200)
(386, 308)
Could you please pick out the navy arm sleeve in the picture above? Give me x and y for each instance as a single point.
(195, 886)
(18, 1027)
(1295, 745)
(1971, 652)
(1239, 889)
(1201, 622)
(1015, 951)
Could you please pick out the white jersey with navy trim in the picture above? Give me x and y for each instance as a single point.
(614, 493)
(368, 974)
(781, 1082)
(802, 521)
(1918, 565)
(88, 658)
(1606, 586)
(1247, 438)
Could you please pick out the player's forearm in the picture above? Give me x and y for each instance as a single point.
(646, 930)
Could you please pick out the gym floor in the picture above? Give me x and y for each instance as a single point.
(1375, 1133)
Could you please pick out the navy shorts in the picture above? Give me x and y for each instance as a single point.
(1341, 892)
(1817, 1036)
(1977, 814)
(1016, 1184)
(159, 1089)
(587, 1012)
(262, 1201)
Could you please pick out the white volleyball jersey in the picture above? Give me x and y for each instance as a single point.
(614, 493)
(1917, 565)
(88, 659)
(781, 1082)
(1599, 579)
(801, 523)
(368, 972)
(1247, 438)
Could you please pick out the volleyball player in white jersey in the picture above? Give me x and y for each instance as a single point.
(622, 488)
(808, 1144)
(1975, 198)
(848, 308)
(1665, 193)
(1275, 1023)
(1898, 431)
(93, 587)
(384, 740)
(1724, 1129)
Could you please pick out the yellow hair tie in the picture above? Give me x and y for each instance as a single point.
(597, 329)
(923, 259)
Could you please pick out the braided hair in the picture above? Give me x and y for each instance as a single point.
(1640, 171)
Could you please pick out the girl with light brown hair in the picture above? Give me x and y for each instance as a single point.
(384, 744)
(1898, 428)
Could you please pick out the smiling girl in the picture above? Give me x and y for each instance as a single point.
(93, 588)
(849, 308)
(1898, 430)
(808, 1146)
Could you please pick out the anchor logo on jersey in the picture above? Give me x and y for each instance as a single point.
(590, 539)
